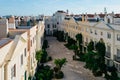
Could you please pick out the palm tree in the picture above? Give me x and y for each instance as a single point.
(60, 62)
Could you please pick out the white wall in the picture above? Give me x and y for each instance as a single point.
(11, 25)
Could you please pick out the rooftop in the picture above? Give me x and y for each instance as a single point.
(78, 18)
(4, 41)
(61, 11)
(90, 15)
(115, 27)
(3, 21)
(24, 27)
(117, 16)
(14, 32)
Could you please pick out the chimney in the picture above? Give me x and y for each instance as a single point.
(11, 22)
(3, 28)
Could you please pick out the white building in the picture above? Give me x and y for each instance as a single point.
(17, 59)
(53, 23)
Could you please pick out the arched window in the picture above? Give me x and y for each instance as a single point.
(108, 20)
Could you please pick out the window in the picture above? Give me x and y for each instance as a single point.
(33, 57)
(31, 43)
(118, 52)
(90, 30)
(108, 20)
(95, 32)
(119, 68)
(25, 52)
(31, 63)
(116, 65)
(118, 37)
(108, 62)
(101, 33)
(108, 35)
(108, 49)
(86, 29)
(87, 40)
(82, 29)
(13, 71)
(75, 27)
(95, 42)
(48, 26)
(22, 59)
(33, 39)
(53, 26)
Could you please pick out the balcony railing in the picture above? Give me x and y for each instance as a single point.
(117, 58)
(108, 54)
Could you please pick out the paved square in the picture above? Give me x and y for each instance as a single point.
(73, 70)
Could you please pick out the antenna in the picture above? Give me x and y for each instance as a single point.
(67, 11)
(105, 10)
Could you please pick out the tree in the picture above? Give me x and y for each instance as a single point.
(113, 73)
(66, 36)
(60, 62)
(71, 41)
(90, 46)
(38, 55)
(89, 59)
(44, 73)
(59, 35)
(45, 44)
(79, 39)
(97, 57)
(41, 56)
(101, 49)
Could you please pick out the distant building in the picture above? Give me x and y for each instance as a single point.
(3, 28)
(11, 22)
(53, 23)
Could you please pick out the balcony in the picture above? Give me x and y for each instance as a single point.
(108, 54)
(117, 58)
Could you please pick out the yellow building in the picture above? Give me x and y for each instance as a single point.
(96, 30)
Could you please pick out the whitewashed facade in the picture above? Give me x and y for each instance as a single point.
(17, 52)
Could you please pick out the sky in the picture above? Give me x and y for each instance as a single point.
(48, 7)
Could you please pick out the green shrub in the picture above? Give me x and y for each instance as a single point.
(41, 56)
(60, 62)
(56, 69)
(29, 78)
(44, 73)
(45, 44)
(49, 58)
(59, 75)
(99, 73)
(74, 57)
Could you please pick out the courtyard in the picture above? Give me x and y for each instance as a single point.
(73, 70)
